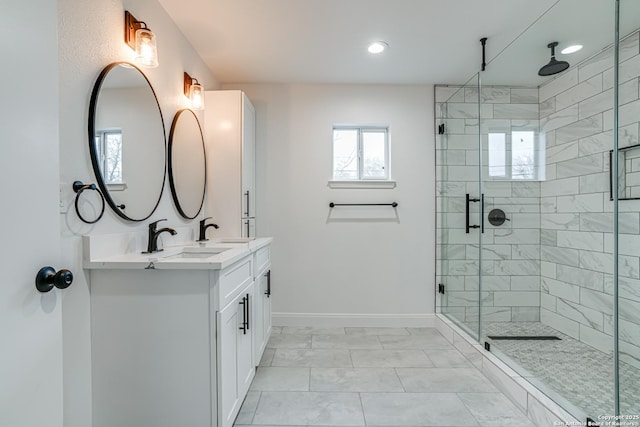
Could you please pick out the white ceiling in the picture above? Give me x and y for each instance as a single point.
(324, 41)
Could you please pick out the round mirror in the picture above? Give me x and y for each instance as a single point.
(127, 141)
(187, 163)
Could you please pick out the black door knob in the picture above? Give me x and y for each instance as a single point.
(47, 279)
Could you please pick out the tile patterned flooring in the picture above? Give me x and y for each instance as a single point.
(576, 371)
(371, 377)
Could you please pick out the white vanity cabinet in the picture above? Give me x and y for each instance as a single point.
(235, 328)
(175, 345)
(229, 132)
(235, 355)
(262, 305)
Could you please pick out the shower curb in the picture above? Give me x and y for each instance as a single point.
(538, 407)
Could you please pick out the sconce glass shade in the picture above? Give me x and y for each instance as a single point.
(196, 95)
(146, 50)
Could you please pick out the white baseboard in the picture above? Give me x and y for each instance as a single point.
(330, 320)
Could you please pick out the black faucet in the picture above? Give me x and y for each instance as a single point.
(203, 229)
(153, 236)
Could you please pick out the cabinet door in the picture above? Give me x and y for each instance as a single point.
(262, 329)
(248, 158)
(230, 319)
(248, 227)
(244, 354)
(266, 309)
(258, 327)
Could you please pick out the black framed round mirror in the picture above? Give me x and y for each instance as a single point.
(127, 141)
(187, 164)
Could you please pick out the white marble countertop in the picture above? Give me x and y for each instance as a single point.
(101, 252)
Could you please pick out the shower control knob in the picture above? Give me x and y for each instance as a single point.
(47, 278)
(497, 217)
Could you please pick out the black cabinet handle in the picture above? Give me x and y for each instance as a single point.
(268, 291)
(247, 212)
(247, 306)
(247, 223)
(47, 279)
(244, 316)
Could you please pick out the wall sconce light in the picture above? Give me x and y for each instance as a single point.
(140, 38)
(193, 90)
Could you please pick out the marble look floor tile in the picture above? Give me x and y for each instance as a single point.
(444, 380)
(494, 409)
(346, 342)
(355, 380)
(311, 408)
(267, 356)
(376, 331)
(276, 330)
(413, 341)
(281, 379)
(245, 416)
(443, 358)
(317, 358)
(433, 332)
(390, 359)
(289, 341)
(415, 409)
(312, 330)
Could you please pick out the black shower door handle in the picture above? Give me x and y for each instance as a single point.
(470, 200)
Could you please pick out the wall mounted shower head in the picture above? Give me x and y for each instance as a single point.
(554, 66)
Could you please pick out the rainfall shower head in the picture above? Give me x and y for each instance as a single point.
(554, 66)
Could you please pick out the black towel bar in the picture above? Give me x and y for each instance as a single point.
(394, 204)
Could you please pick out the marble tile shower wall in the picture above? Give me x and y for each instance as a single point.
(576, 252)
(511, 252)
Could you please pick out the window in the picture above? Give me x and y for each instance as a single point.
(360, 153)
(109, 150)
(497, 155)
(513, 156)
(523, 155)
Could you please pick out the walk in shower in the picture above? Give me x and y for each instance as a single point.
(538, 201)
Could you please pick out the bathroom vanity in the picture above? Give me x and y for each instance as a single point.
(176, 335)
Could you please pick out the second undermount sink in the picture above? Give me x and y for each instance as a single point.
(200, 252)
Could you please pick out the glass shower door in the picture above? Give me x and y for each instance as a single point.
(548, 266)
(627, 201)
(458, 198)
(512, 165)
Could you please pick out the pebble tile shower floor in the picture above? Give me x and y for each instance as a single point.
(576, 371)
(371, 377)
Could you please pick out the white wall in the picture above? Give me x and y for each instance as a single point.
(363, 266)
(90, 37)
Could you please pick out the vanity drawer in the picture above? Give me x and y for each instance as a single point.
(263, 259)
(234, 279)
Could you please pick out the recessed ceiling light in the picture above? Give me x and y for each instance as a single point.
(377, 47)
(571, 49)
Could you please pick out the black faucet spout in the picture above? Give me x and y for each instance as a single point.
(203, 229)
(154, 233)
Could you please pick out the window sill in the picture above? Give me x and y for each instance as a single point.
(121, 186)
(379, 184)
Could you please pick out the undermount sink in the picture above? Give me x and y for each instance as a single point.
(194, 254)
(197, 252)
(237, 239)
